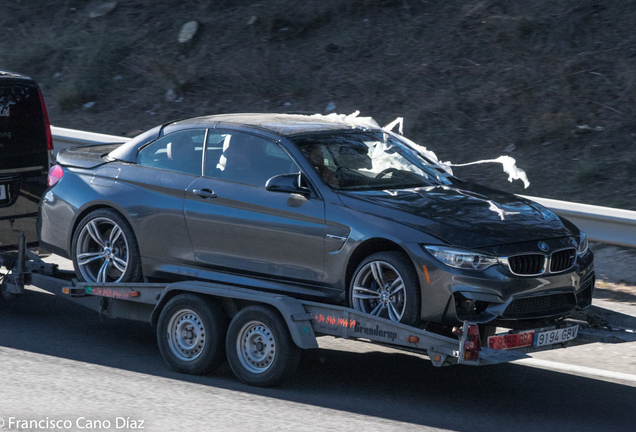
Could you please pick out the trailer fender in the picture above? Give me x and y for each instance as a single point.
(297, 319)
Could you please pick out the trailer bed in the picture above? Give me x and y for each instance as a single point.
(305, 320)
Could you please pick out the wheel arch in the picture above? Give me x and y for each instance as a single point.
(89, 209)
(368, 248)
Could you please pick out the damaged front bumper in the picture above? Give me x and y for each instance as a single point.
(497, 296)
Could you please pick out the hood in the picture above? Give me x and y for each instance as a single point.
(465, 215)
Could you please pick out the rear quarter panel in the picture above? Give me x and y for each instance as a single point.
(154, 212)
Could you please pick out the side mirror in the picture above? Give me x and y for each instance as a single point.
(289, 183)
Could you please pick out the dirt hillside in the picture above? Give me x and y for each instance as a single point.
(552, 84)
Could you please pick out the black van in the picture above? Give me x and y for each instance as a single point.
(26, 149)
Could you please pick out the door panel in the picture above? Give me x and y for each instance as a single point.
(249, 229)
(166, 168)
(237, 225)
(155, 203)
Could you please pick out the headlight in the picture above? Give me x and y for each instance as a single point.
(462, 259)
(583, 245)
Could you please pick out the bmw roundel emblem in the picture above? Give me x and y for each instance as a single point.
(543, 246)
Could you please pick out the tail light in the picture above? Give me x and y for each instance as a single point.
(472, 345)
(55, 175)
(47, 128)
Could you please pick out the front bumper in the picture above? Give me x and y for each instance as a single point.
(498, 296)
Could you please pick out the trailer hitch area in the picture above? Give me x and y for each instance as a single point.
(14, 280)
(20, 264)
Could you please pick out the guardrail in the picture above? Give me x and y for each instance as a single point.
(63, 138)
(601, 224)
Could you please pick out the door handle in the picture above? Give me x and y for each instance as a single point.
(204, 193)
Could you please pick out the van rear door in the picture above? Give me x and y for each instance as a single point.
(24, 158)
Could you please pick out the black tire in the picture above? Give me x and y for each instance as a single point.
(191, 334)
(95, 259)
(388, 300)
(11, 264)
(260, 349)
(4, 295)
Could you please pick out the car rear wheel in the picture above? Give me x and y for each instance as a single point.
(385, 285)
(105, 249)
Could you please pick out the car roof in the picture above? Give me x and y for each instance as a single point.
(8, 75)
(281, 125)
(286, 124)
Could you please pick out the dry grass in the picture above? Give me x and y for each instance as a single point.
(469, 78)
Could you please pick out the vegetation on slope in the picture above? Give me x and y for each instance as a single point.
(553, 84)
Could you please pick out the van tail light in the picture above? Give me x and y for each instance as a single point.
(47, 128)
(55, 175)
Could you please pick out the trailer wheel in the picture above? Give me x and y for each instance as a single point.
(191, 334)
(4, 295)
(260, 350)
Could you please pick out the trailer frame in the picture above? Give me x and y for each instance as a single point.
(302, 320)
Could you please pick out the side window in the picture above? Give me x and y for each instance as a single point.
(244, 158)
(180, 151)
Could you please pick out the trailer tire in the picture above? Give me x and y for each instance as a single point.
(260, 349)
(4, 295)
(191, 334)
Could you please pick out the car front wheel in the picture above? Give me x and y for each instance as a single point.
(385, 285)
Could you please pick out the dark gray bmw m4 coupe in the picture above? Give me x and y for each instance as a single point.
(316, 207)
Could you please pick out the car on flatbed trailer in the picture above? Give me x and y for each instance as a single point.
(202, 322)
(323, 208)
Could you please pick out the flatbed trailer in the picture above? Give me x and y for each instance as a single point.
(199, 324)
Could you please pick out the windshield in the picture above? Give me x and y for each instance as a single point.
(368, 160)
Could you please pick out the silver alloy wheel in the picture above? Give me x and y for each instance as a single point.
(186, 335)
(378, 289)
(256, 347)
(102, 251)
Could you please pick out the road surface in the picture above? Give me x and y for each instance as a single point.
(61, 363)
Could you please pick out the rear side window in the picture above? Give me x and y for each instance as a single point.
(23, 142)
(180, 152)
(244, 158)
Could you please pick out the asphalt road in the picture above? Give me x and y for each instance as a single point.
(59, 362)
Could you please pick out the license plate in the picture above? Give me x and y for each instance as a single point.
(509, 341)
(3, 192)
(556, 336)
